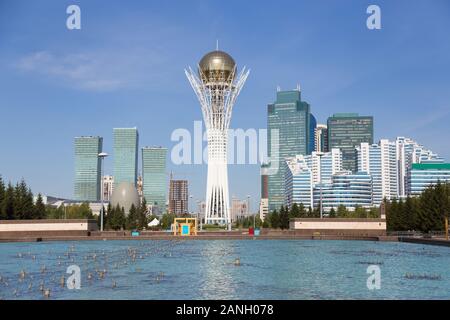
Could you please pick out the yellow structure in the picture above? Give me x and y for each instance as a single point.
(185, 226)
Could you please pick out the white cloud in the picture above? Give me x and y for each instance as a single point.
(100, 71)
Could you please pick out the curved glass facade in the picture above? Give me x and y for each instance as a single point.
(423, 175)
(346, 189)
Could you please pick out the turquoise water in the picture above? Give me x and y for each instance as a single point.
(269, 269)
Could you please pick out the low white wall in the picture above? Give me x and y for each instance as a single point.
(67, 226)
(340, 225)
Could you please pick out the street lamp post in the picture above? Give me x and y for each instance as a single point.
(102, 157)
(199, 214)
(249, 211)
(193, 212)
(320, 182)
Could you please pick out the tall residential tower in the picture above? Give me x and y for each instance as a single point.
(178, 197)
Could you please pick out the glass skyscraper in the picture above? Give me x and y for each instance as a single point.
(87, 168)
(312, 133)
(126, 142)
(346, 131)
(288, 135)
(154, 176)
(347, 189)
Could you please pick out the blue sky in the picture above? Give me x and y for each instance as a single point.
(125, 68)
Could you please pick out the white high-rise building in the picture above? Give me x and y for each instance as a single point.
(380, 161)
(298, 182)
(321, 138)
(305, 172)
(108, 187)
(324, 164)
(410, 152)
(239, 209)
(263, 208)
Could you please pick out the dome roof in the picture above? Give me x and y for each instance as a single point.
(217, 66)
(124, 195)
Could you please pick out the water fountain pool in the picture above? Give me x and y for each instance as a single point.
(206, 269)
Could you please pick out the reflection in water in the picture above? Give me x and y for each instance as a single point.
(215, 270)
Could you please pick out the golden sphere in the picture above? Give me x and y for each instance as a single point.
(217, 66)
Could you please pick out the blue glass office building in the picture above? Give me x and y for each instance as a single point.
(87, 168)
(126, 142)
(154, 176)
(347, 131)
(288, 135)
(312, 133)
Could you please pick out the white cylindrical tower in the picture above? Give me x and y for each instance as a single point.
(217, 86)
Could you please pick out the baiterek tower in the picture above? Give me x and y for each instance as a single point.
(217, 85)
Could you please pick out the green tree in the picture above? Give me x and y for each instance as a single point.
(284, 218)
(52, 212)
(132, 218)
(332, 213)
(82, 211)
(295, 211)
(142, 215)
(392, 215)
(167, 220)
(408, 216)
(39, 208)
(23, 201)
(121, 218)
(266, 222)
(275, 219)
(109, 217)
(302, 211)
(316, 212)
(8, 204)
(342, 211)
(2, 198)
(359, 212)
(117, 220)
(432, 205)
(402, 219)
(374, 213)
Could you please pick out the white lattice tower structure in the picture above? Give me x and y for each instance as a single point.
(217, 86)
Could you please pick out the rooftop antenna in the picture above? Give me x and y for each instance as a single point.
(278, 88)
(298, 87)
(217, 44)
